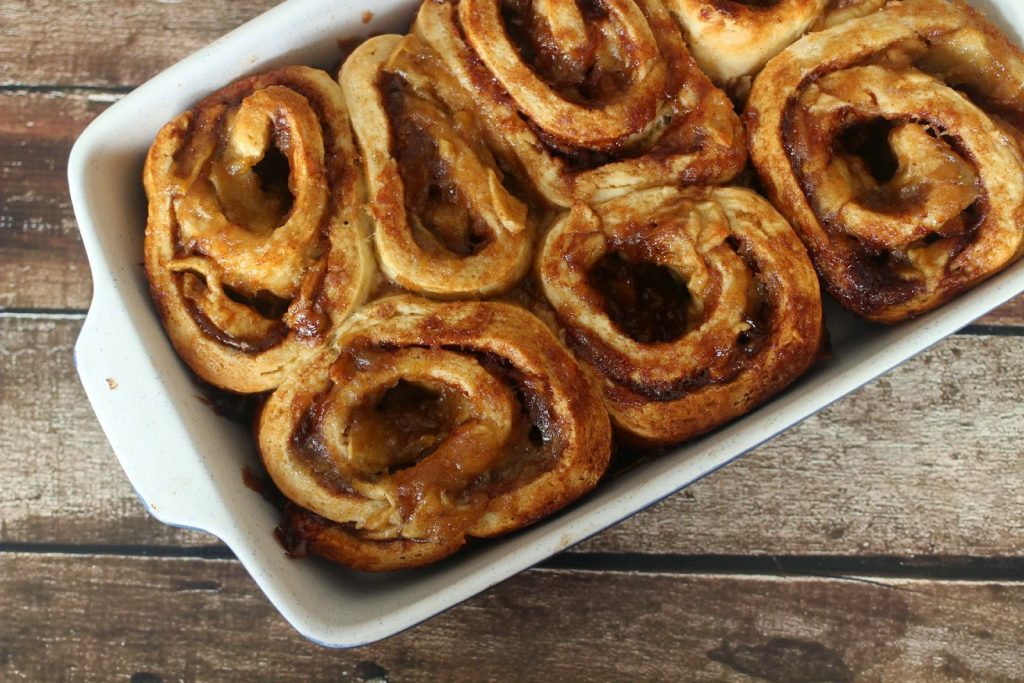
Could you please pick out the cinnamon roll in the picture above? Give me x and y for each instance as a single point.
(448, 221)
(595, 99)
(255, 243)
(689, 306)
(429, 423)
(892, 143)
(733, 39)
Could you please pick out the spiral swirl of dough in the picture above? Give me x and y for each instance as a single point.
(445, 224)
(892, 143)
(744, 319)
(251, 273)
(595, 99)
(428, 423)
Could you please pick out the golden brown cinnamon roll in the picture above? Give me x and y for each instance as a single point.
(255, 243)
(892, 143)
(595, 99)
(428, 423)
(733, 39)
(690, 306)
(447, 223)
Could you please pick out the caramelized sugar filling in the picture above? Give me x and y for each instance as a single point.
(432, 199)
(406, 424)
(536, 438)
(759, 319)
(759, 309)
(449, 221)
(944, 176)
(648, 302)
(193, 288)
(263, 302)
(259, 198)
(587, 73)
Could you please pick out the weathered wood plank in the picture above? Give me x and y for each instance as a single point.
(925, 461)
(115, 618)
(1010, 313)
(55, 454)
(104, 44)
(42, 263)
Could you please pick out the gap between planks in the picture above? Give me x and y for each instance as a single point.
(965, 568)
(43, 313)
(96, 93)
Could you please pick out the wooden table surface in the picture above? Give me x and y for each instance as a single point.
(880, 540)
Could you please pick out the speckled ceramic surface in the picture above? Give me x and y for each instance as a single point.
(185, 462)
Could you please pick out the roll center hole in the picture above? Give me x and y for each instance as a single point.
(263, 302)
(869, 142)
(406, 424)
(273, 171)
(647, 301)
(450, 221)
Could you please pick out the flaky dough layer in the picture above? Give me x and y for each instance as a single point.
(250, 273)
(754, 322)
(525, 433)
(899, 228)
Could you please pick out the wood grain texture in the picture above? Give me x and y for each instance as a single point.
(1010, 313)
(924, 461)
(112, 618)
(109, 44)
(42, 263)
(69, 487)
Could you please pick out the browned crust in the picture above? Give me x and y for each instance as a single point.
(672, 125)
(356, 525)
(898, 281)
(225, 338)
(735, 245)
(430, 171)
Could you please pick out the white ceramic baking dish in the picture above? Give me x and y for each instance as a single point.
(185, 462)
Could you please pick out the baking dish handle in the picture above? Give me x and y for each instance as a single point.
(151, 425)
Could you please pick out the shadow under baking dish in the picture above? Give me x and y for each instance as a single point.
(185, 462)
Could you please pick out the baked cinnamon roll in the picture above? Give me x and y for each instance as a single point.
(689, 306)
(595, 99)
(448, 222)
(892, 143)
(429, 423)
(733, 39)
(255, 243)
